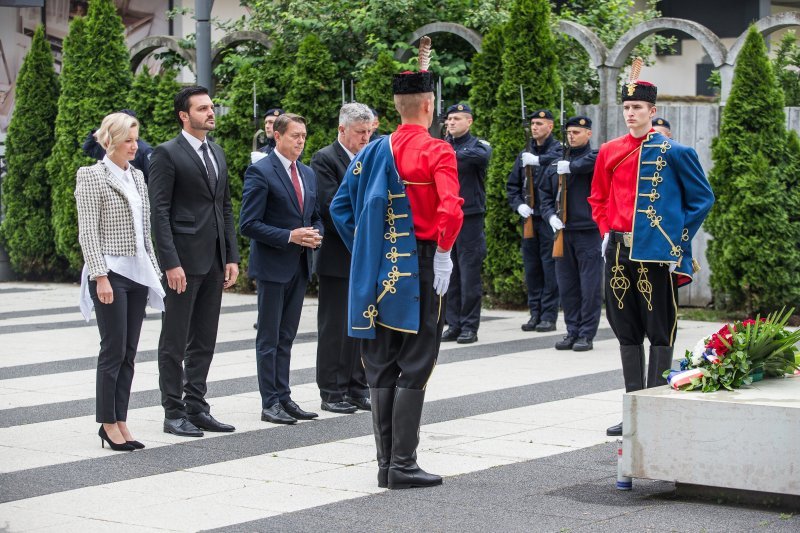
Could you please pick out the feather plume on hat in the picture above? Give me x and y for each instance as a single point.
(636, 89)
(424, 53)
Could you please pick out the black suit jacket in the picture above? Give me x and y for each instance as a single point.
(270, 212)
(330, 164)
(188, 217)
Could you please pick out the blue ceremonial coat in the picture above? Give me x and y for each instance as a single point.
(372, 214)
(673, 199)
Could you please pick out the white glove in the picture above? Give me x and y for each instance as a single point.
(524, 210)
(255, 157)
(442, 268)
(563, 167)
(604, 246)
(556, 223)
(672, 267)
(530, 160)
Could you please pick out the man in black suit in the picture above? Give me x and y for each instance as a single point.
(279, 214)
(196, 244)
(340, 372)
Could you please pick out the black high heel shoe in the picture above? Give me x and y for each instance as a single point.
(124, 447)
(136, 444)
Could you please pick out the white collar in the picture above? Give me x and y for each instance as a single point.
(285, 162)
(350, 154)
(193, 141)
(118, 172)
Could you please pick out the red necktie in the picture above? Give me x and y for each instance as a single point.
(296, 182)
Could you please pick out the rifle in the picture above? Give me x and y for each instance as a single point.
(561, 196)
(528, 231)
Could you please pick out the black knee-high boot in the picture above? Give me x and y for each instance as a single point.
(633, 373)
(382, 401)
(404, 473)
(660, 360)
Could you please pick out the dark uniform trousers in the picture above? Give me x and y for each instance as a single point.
(406, 360)
(339, 369)
(580, 278)
(120, 324)
(465, 292)
(279, 309)
(187, 320)
(641, 298)
(540, 272)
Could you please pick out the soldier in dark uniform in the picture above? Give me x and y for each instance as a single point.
(465, 293)
(376, 125)
(403, 191)
(269, 120)
(537, 251)
(661, 125)
(649, 198)
(580, 270)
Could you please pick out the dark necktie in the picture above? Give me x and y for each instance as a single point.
(296, 182)
(212, 174)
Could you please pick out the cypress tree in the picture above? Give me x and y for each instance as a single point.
(26, 230)
(529, 60)
(71, 128)
(375, 89)
(142, 99)
(754, 256)
(314, 93)
(487, 69)
(98, 85)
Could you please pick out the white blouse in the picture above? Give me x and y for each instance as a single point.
(137, 268)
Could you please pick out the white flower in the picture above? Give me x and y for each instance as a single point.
(697, 352)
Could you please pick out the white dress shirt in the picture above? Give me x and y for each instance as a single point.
(196, 143)
(138, 268)
(350, 154)
(286, 166)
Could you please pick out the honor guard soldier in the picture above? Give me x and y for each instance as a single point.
(465, 292)
(579, 271)
(269, 120)
(403, 191)
(649, 198)
(537, 245)
(661, 125)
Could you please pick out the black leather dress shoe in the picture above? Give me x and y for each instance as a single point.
(343, 408)
(566, 343)
(582, 345)
(362, 402)
(450, 335)
(615, 431)
(181, 427)
(467, 337)
(208, 423)
(275, 414)
(531, 324)
(294, 410)
(545, 325)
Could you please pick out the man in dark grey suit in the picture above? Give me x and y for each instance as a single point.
(196, 244)
(340, 372)
(279, 214)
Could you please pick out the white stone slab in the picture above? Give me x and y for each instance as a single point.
(743, 439)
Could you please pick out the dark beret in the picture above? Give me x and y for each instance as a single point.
(659, 121)
(458, 108)
(579, 121)
(274, 112)
(541, 113)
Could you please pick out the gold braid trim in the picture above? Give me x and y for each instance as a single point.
(644, 286)
(618, 281)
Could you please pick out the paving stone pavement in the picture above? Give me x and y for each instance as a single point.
(516, 428)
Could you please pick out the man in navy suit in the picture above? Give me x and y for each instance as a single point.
(280, 215)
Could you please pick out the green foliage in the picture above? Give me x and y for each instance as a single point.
(487, 69)
(608, 19)
(314, 93)
(151, 97)
(26, 229)
(754, 253)
(72, 125)
(375, 89)
(786, 65)
(95, 81)
(528, 29)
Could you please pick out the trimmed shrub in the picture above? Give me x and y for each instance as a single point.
(151, 97)
(487, 69)
(375, 89)
(27, 231)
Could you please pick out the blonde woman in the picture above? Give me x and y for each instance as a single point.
(120, 272)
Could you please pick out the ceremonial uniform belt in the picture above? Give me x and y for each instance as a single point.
(624, 238)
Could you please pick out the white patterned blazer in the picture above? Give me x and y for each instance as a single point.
(105, 221)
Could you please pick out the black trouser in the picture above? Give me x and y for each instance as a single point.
(120, 324)
(580, 278)
(340, 371)
(641, 298)
(540, 272)
(465, 291)
(397, 359)
(188, 337)
(279, 309)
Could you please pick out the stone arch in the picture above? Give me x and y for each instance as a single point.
(471, 36)
(234, 39)
(598, 53)
(766, 26)
(148, 45)
(708, 39)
